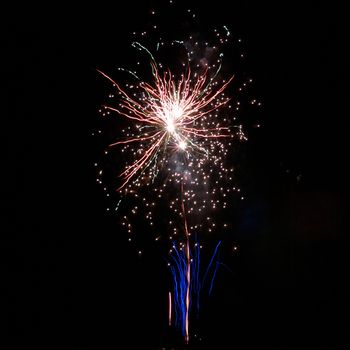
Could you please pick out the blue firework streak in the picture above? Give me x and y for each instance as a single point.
(178, 266)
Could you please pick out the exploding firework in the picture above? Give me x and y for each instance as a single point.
(172, 117)
(175, 141)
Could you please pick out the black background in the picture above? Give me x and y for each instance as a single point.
(68, 277)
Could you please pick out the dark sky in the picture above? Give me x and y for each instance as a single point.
(69, 279)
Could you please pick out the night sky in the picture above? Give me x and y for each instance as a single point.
(69, 279)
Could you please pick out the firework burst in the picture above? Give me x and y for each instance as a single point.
(171, 116)
(175, 151)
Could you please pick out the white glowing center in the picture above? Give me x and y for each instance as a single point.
(172, 116)
(170, 126)
(182, 145)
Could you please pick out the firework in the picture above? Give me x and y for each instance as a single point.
(174, 148)
(173, 117)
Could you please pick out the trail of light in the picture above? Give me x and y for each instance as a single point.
(188, 289)
(211, 261)
(139, 163)
(179, 272)
(188, 273)
(212, 280)
(178, 269)
(196, 287)
(187, 263)
(170, 309)
(138, 139)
